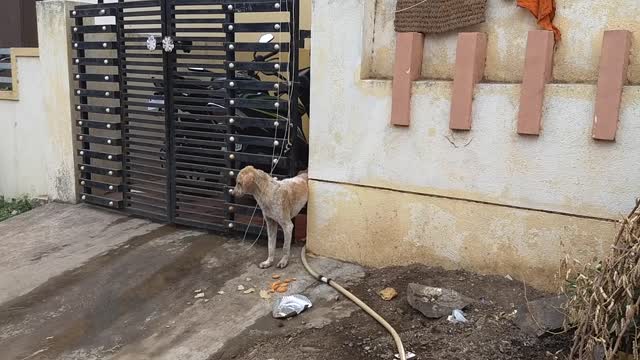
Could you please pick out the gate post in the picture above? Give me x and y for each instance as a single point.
(55, 55)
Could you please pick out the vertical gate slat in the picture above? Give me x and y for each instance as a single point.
(230, 56)
(169, 60)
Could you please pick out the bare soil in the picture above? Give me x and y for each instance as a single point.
(490, 333)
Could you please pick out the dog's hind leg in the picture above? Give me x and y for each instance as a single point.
(272, 232)
(287, 227)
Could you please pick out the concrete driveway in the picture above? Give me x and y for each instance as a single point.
(78, 282)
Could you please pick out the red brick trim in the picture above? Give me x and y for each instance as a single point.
(406, 69)
(470, 60)
(538, 66)
(612, 75)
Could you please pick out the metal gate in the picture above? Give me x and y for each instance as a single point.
(175, 96)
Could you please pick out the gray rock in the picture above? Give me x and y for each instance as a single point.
(435, 302)
(542, 315)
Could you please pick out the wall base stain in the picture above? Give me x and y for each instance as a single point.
(386, 228)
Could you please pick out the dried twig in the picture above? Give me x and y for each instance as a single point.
(604, 300)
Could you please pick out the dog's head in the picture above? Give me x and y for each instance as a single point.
(245, 182)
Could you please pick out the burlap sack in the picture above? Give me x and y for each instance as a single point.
(436, 16)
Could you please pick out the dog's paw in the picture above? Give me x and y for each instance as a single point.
(283, 263)
(266, 264)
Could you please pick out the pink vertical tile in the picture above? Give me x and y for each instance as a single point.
(406, 69)
(612, 75)
(538, 66)
(470, 60)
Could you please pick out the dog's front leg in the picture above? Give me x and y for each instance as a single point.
(287, 227)
(272, 232)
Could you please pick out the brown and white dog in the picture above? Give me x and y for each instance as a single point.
(280, 201)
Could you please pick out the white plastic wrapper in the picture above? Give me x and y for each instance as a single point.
(408, 355)
(290, 305)
(457, 316)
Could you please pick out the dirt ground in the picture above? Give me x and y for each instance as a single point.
(489, 335)
(79, 283)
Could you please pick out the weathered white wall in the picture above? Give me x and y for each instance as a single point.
(379, 228)
(562, 171)
(22, 134)
(36, 130)
(54, 27)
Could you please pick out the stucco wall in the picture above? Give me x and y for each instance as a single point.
(576, 58)
(36, 124)
(562, 172)
(22, 133)
(379, 228)
(54, 27)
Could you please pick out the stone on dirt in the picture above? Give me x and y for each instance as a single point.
(388, 294)
(540, 316)
(435, 302)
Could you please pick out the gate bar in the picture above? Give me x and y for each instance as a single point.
(169, 59)
(230, 37)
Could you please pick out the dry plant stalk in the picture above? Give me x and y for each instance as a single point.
(604, 299)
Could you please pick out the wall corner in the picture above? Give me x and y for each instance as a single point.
(55, 55)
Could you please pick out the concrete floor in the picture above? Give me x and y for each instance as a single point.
(77, 282)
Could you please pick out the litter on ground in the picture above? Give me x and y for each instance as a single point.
(290, 305)
(409, 355)
(457, 316)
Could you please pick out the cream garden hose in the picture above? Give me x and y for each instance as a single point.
(357, 301)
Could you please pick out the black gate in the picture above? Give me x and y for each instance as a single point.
(175, 96)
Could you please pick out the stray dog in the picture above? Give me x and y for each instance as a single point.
(280, 201)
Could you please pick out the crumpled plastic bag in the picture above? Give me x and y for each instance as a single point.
(290, 305)
(457, 316)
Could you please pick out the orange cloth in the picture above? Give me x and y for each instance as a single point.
(544, 11)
